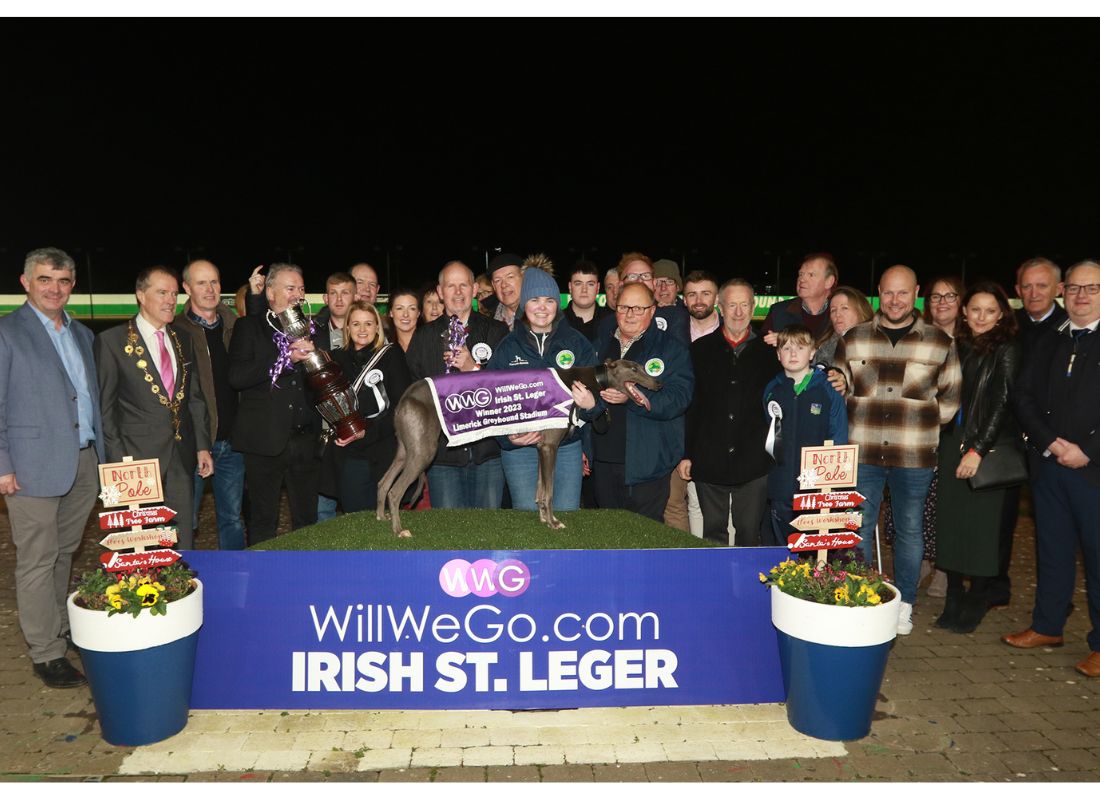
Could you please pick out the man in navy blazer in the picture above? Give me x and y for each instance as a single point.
(51, 442)
(1055, 398)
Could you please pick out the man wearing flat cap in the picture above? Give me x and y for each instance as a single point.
(640, 268)
(667, 282)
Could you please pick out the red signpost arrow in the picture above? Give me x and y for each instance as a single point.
(125, 518)
(127, 562)
(800, 542)
(819, 500)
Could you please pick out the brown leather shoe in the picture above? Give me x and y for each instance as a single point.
(1025, 640)
(1090, 667)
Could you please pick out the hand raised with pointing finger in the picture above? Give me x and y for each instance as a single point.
(256, 281)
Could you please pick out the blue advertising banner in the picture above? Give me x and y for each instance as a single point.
(502, 630)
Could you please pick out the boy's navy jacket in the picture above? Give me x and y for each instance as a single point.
(817, 414)
(522, 349)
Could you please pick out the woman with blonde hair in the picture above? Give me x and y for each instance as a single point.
(848, 307)
(379, 376)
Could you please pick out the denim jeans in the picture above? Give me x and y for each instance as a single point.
(228, 489)
(326, 507)
(473, 486)
(908, 494)
(521, 470)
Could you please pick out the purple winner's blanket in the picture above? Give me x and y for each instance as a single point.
(473, 405)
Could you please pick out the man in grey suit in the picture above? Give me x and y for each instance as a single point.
(153, 404)
(50, 444)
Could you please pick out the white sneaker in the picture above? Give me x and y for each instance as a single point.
(905, 619)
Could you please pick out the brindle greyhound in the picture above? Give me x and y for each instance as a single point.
(417, 428)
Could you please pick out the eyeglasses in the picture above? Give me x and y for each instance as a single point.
(1072, 289)
(666, 282)
(949, 297)
(633, 310)
(637, 276)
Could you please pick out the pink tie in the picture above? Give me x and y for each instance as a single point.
(166, 375)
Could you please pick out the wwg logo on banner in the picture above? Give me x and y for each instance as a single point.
(484, 577)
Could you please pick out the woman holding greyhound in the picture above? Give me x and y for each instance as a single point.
(542, 339)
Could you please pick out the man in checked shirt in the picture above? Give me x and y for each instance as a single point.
(904, 381)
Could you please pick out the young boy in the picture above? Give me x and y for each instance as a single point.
(805, 411)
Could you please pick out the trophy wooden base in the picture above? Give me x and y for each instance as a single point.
(351, 425)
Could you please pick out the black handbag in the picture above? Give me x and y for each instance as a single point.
(1004, 466)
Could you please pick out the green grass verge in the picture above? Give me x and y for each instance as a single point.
(440, 529)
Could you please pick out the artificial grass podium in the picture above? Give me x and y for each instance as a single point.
(478, 529)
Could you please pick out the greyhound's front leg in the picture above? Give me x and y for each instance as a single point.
(544, 495)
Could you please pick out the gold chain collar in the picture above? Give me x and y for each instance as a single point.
(134, 348)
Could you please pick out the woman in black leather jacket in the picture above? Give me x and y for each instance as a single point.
(969, 521)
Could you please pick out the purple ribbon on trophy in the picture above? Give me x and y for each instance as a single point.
(283, 342)
(456, 338)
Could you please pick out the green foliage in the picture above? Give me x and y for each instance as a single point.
(130, 593)
(476, 529)
(843, 581)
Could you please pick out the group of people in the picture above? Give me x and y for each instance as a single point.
(222, 395)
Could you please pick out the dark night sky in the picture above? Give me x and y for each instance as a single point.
(729, 141)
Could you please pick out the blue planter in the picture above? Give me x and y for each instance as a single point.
(140, 669)
(833, 660)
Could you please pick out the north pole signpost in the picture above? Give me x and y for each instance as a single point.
(827, 467)
(130, 483)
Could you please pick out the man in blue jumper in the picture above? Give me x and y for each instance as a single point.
(637, 451)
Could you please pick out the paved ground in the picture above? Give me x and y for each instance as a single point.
(953, 708)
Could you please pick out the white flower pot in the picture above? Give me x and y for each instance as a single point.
(139, 668)
(833, 660)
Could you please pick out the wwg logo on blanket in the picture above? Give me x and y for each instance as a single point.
(473, 405)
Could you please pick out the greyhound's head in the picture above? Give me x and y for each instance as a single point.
(626, 376)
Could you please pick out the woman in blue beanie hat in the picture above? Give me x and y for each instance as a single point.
(541, 339)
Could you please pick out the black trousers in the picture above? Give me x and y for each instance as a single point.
(358, 485)
(1067, 507)
(1000, 590)
(298, 466)
(648, 499)
(745, 503)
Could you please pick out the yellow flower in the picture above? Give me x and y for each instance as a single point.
(874, 599)
(148, 595)
(841, 594)
(780, 581)
(158, 586)
(763, 578)
(112, 596)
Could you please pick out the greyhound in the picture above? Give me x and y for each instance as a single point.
(418, 430)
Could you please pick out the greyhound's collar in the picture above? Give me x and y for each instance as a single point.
(600, 372)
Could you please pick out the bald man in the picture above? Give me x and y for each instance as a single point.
(904, 381)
